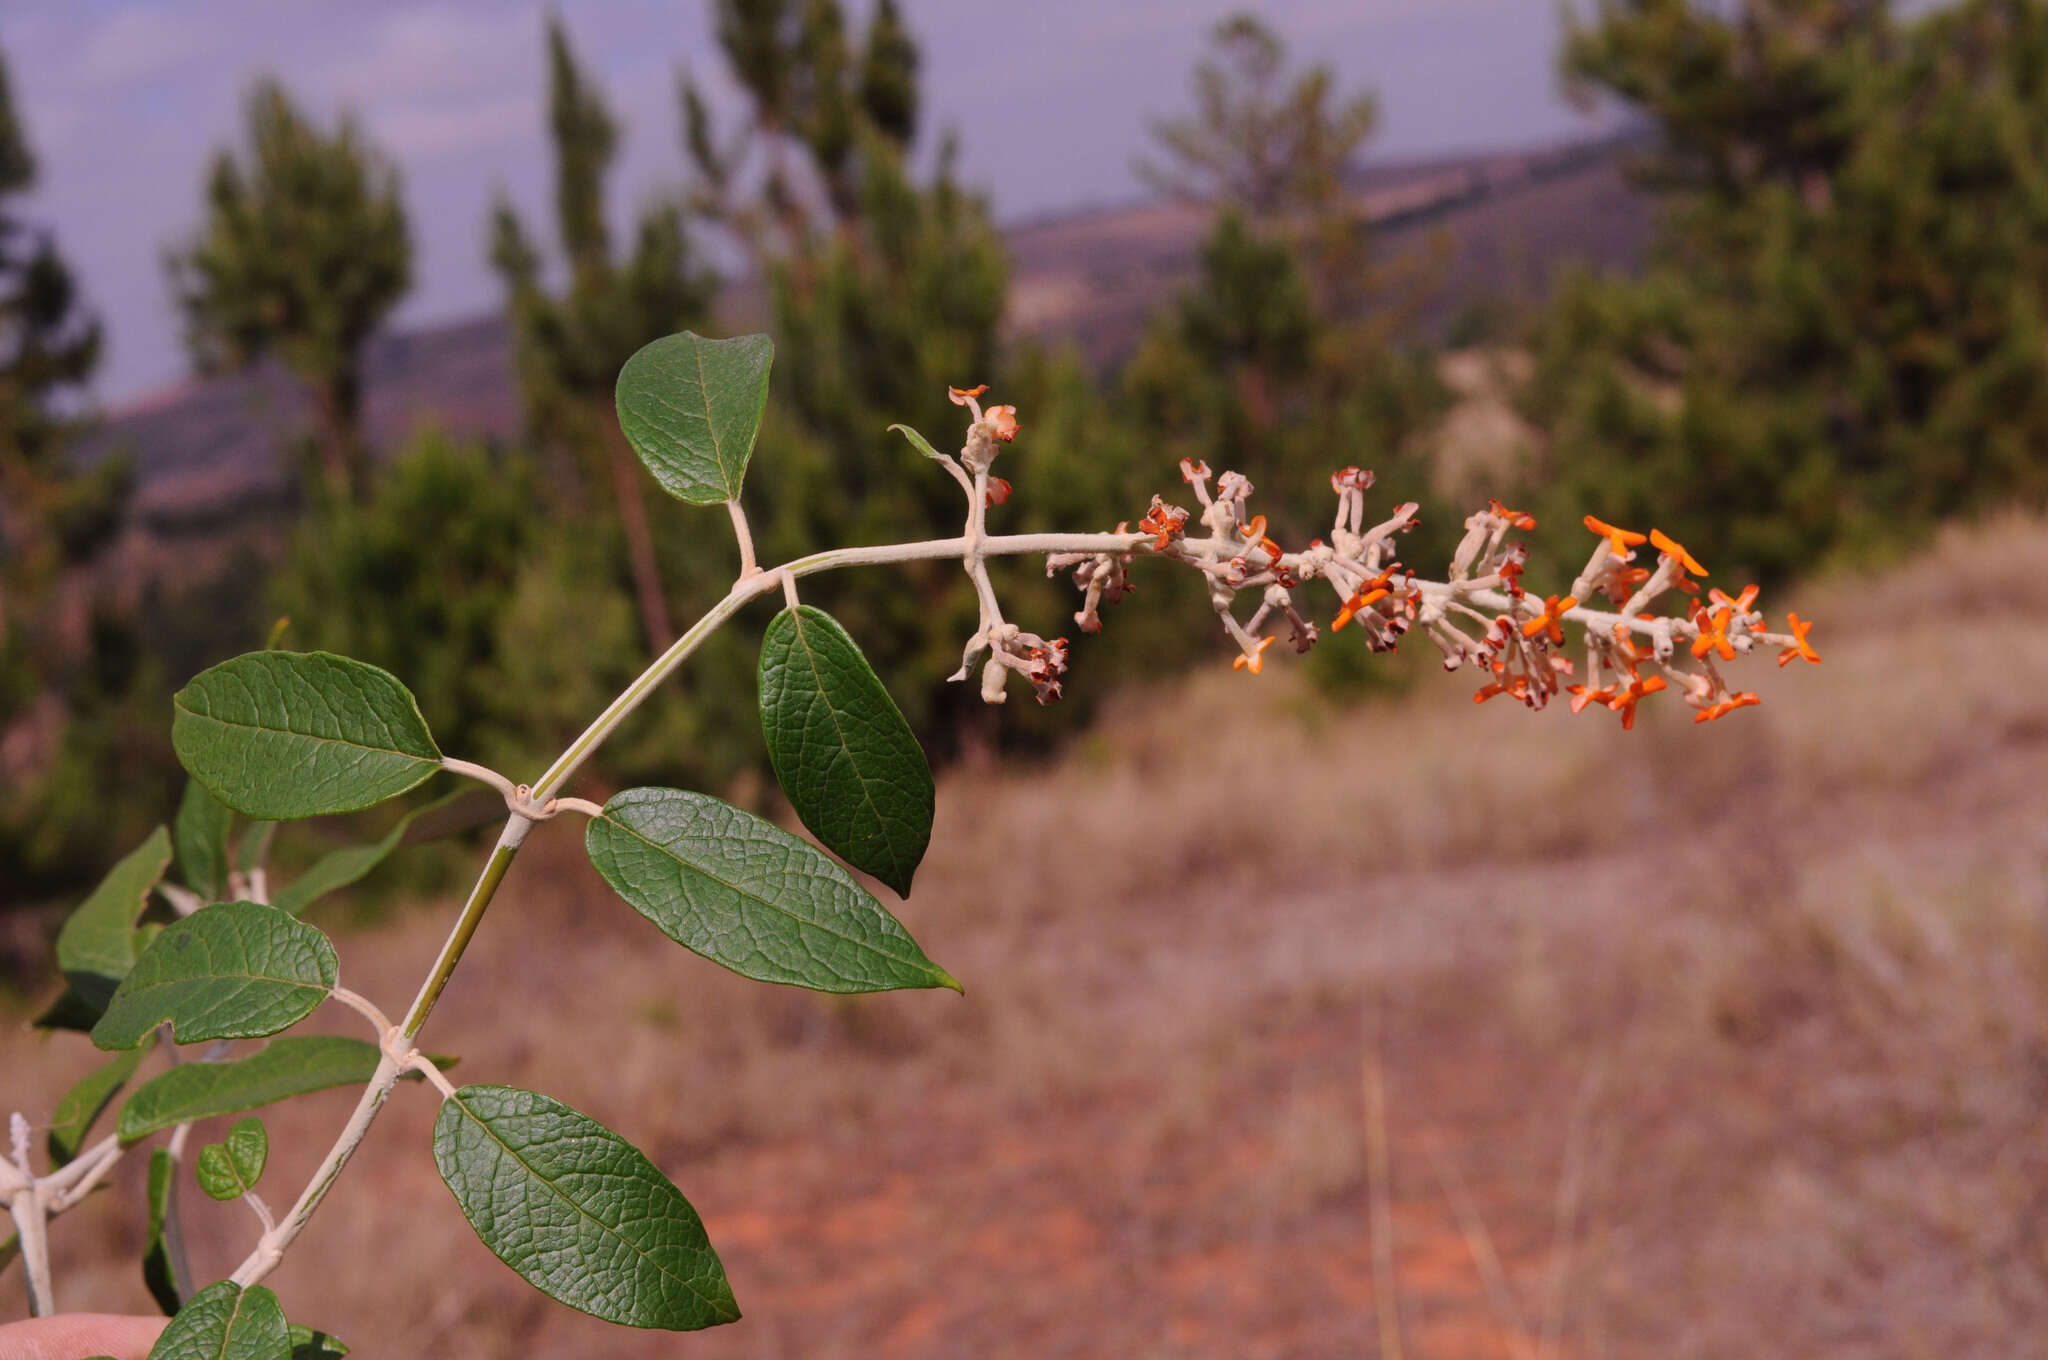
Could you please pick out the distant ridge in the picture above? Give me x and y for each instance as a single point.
(215, 452)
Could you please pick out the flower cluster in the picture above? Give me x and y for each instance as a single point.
(1481, 615)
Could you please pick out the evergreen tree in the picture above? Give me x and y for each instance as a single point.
(571, 347)
(1278, 361)
(303, 253)
(78, 708)
(49, 345)
(1272, 149)
(1840, 339)
(819, 112)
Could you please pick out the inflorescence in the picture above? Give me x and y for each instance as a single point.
(1481, 615)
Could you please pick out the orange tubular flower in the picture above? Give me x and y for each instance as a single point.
(1799, 647)
(1670, 547)
(962, 395)
(1727, 706)
(1517, 685)
(998, 491)
(1252, 661)
(1619, 541)
(1517, 519)
(1625, 702)
(1550, 619)
(1582, 695)
(1365, 599)
(1714, 633)
(1741, 604)
(1625, 648)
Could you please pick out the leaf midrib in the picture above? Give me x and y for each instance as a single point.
(457, 1101)
(817, 677)
(308, 736)
(753, 896)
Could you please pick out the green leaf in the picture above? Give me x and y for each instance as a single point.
(226, 1322)
(841, 749)
(578, 1211)
(308, 1344)
(920, 443)
(70, 1011)
(282, 735)
(288, 1067)
(201, 837)
(691, 407)
(82, 1104)
(163, 1257)
(746, 894)
(254, 847)
(230, 1169)
(339, 868)
(238, 970)
(96, 947)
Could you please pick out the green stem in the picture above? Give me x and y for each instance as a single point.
(270, 1249)
(465, 927)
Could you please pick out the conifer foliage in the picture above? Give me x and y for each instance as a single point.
(303, 252)
(571, 346)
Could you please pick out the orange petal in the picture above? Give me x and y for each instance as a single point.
(1664, 543)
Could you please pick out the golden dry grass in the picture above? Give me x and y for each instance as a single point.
(1733, 1037)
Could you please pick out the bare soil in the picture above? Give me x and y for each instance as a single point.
(1716, 1041)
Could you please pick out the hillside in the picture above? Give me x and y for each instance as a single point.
(1692, 1041)
(210, 454)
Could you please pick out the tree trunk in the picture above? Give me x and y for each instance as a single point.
(631, 496)
(342, 455)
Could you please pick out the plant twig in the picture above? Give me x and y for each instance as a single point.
(31, 1228)
(1514, 1332)
(1378, 1171)
(1570, 1186)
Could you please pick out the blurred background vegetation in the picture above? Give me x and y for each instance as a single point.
(1834, 343)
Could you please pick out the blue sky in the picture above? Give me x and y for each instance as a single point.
(125, 101)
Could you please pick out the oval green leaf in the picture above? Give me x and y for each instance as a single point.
(289, 1067)
(226, 1322)
(578, 1211)
(841, 750)
(201, 836)
(163, 1255)
(691, 407)
(96, 947)
(308, 1344)
(283, 735)
(230, 1168)
(237, 970)
(746, 894)
(83, 1104)
(339, 868)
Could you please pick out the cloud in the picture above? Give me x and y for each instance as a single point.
(439, 80)
(436, 52)
(446, 128)
(138, 42)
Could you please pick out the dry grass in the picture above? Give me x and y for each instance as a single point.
(1733, 1038)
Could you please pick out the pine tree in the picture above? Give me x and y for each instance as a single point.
(303, 252)
(820, 111)
(571, 347)
(1840, 337)
(49, 345)
(1281, 350)
(1272, 149)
